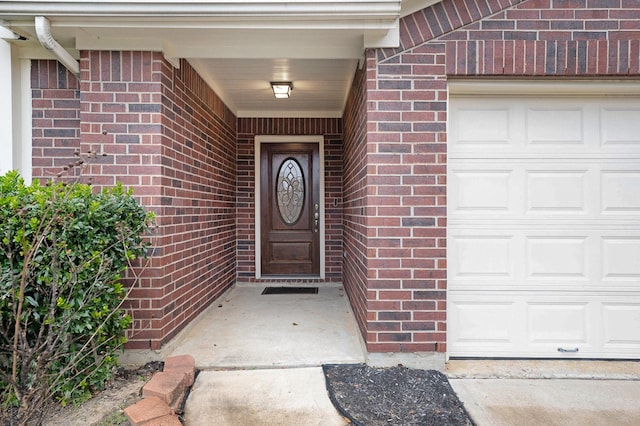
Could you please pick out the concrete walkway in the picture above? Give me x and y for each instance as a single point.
(512, 392)
(550, 401)
(274, 397)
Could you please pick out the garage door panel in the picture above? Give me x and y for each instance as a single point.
(620, 191)
(515, 257)
(621, 326)
(620, 127)
(580, 125)
(544, 227)
(557, 323)
(489, 325)
(522, 189)
(485, 322)
(553, 126)
(557, 258)
(483, 190)
(621, 259)
(557, 191)
(483, 257)
(486, 126)
(564, 325)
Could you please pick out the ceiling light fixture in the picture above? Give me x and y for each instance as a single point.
(281, 89)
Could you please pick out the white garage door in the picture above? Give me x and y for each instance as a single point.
(544, 224)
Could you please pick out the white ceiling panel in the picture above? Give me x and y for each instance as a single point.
(320, 86)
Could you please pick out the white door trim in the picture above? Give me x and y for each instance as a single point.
(550, 88)
(259, 140)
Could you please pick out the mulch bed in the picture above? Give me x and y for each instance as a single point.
(394, 396)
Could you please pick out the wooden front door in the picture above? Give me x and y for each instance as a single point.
(290, 209)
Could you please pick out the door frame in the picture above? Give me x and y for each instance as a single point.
(259, 140)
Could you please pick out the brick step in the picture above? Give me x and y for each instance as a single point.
(163, 394)
(147, 410)
(184, 364)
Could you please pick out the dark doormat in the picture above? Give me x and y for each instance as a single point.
(290, 290)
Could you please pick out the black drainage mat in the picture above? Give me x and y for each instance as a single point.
(290, 290)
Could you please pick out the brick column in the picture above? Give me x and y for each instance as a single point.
(407, 203)
(120, 117)
(167, 136)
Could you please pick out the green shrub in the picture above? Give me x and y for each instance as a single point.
(62, 252)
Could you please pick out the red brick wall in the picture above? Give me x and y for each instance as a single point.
(168, 137)
(532, 38)
(568, 39)
(355, 278)
(198, 195)
(331, 128)
(407, 132)
(55, 118)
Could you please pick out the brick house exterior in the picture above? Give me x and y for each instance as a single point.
(402, 302)
(189, 159)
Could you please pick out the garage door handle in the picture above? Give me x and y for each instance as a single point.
(568, 350)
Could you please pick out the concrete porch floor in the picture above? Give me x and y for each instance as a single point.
(260, 357)
(245, 329)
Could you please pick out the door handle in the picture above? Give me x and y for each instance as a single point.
(316, 216)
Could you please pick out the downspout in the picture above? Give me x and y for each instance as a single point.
(43, 30)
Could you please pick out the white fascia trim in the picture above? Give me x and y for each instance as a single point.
(293, 22)
(412, 6)
(390, 38)
(381, 9)
(35, 51)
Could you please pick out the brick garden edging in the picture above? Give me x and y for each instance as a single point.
(163, 394)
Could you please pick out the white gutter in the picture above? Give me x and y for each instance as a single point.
(43, 30)
(381, 9)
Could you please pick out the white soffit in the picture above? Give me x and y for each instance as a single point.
(319, 85)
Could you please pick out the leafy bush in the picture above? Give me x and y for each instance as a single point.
(62, 251)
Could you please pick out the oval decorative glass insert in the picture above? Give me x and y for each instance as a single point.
(290, 191)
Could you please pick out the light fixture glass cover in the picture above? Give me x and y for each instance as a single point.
(281, 89)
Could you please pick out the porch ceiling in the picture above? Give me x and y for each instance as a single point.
(237, 47)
